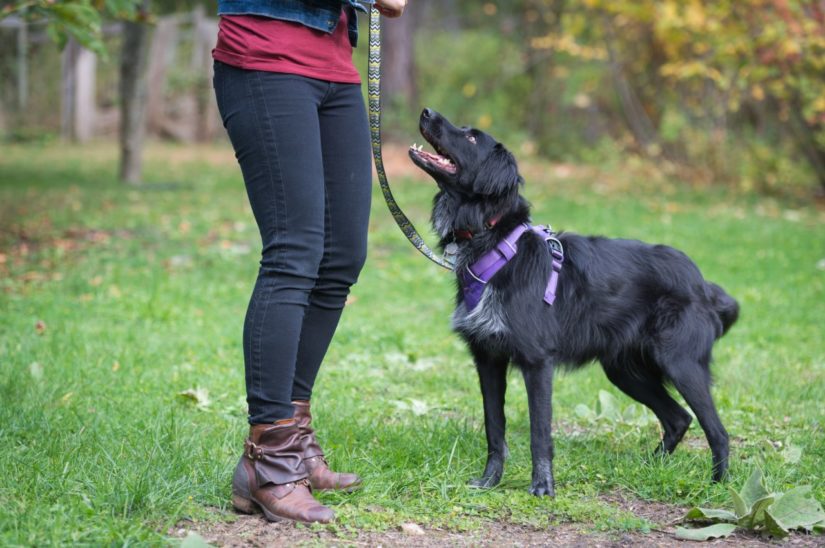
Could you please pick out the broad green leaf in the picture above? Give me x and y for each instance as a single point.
(630, 415)
(739, 505)
(585, 412)
(710, 514)
(795, 509)
(609, 407)
(754, 489)
(756, 515)
(706, 533)
(774, 527)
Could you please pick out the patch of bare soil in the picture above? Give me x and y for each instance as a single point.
(257, 532)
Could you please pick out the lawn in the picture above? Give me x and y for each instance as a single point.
(114, 301)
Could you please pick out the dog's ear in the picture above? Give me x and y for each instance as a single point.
(498, 173)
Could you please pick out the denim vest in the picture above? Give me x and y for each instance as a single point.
(317, 14)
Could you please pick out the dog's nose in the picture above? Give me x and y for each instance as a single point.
(427, 113)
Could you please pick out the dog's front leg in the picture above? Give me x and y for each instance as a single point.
(538, 378)
(492, 373)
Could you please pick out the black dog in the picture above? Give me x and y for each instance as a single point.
(644, 311)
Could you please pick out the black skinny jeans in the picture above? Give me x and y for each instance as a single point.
(304, 150)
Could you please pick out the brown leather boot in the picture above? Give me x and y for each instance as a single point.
(271, 476)
(320, 476)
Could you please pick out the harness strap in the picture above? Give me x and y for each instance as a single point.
(481, 271)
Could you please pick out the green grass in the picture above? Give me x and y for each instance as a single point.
(143, 293)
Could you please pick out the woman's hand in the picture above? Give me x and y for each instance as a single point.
(390, 8)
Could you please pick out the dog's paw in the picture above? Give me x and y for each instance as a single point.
(484, 482)
(543, 488)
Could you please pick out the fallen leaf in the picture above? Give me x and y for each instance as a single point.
(706, 533)
(194, 540)
(116, 366)
(791, 454)
(412, 529)
(710, 514)
(419, 407)
(200, 396)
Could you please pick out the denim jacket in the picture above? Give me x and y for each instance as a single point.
(317, 14)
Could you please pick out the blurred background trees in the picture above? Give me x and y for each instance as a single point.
(724, 91)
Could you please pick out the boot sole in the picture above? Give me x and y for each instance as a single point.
(250, 506)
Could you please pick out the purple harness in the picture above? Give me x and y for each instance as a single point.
(475, 276)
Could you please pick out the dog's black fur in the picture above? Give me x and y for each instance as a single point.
(644, 311)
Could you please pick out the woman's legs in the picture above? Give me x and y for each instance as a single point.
(303, 148)
(345, 147)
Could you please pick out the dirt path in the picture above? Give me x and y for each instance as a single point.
(255, 531)
(232, 530)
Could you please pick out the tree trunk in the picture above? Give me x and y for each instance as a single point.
(77, 98)
(133, 97)
(398, 63)
(161, 55)
(204, 34)
(805, 140)
(23, 65)
(85, 109)
(540, 62)
(68, 88)
(640, 124)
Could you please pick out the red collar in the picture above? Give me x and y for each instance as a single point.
(461, 234)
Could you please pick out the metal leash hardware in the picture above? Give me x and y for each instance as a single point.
(374, 93)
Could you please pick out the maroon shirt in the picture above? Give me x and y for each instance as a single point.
(272, 45)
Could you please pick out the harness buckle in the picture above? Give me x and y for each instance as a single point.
(556, 249)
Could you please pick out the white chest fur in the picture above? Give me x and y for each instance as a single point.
(487, 319)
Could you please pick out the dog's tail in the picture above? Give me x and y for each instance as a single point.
(724, 305)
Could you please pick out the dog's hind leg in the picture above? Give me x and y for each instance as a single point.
(692, 380)
(492, 374)
(646, 388)
(538, 378)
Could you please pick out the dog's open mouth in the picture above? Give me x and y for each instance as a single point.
(437, 160)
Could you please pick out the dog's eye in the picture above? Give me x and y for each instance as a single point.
(471, 138)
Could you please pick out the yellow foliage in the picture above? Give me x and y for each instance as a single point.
(695, 15)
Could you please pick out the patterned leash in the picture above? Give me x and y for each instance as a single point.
(374, 93)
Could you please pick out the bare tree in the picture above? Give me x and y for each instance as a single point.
(398, 63)
(133, 95)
